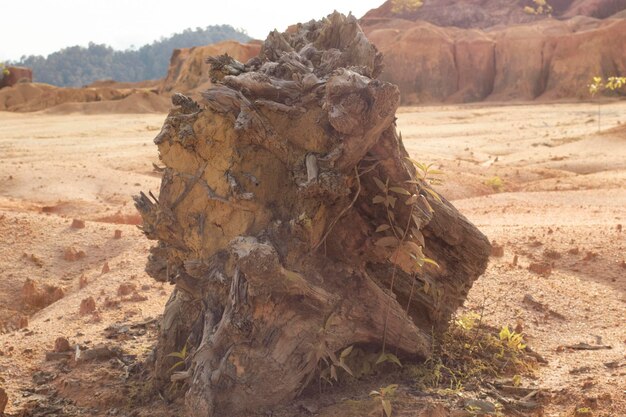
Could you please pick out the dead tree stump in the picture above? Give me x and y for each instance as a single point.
(287, 224)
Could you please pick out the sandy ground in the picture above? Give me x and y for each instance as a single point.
(537, 179)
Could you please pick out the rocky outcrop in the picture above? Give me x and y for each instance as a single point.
(548, 59)
(16, 75)
(488, 13)
(189, 72)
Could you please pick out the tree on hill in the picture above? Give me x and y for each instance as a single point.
(77, 65)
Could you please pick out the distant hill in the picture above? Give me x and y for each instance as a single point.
(77, 66)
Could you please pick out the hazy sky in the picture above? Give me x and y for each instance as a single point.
(39, 27)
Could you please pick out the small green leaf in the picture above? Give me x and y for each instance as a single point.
(387, 407)
(411, 200)
(432, 262)
(414, 162)
(399, 190)
(345, 367)
(346, 352)
(434, 194)
(389, 389)
(380, 184)
(505, 333)
(176, 365)
(382, 228)
(388, 357)
(378, 199)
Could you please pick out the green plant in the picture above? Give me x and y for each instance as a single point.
(402, 240)
(383, 394)
(182, 355)
(599, 85)
(361, 362)
(3, 70)
(540, 7)
(496, 183)
(334, 363)
(470, 352)
(402, 6)
(513, 340)
(429, 175)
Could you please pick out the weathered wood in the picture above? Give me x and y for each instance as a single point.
(266, 224)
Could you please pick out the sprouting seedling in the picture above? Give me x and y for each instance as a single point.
(336, 363)
(182, 355)
(598, 85)
(513, 339)
(383, 394)
(427, 174)
(388, 357)
(402, 239)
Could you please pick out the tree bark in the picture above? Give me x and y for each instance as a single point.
(266, 224)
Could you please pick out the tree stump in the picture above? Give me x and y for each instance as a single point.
(286, 222)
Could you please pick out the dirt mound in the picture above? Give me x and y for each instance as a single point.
(549, 59)
(488, 13)
(120, 84)
(16, 75)
(188, 71)
(136, 102)
(28, 97)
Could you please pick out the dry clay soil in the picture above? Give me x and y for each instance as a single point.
(537, 179)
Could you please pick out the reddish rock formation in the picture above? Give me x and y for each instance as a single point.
(487, 13)
(16, 75)
(34, 296)
(72, 254)
(4, 400)
(460, 13)
(548, 60)
(600, 9)
(189, 72)
(126, 289)
(61, 345)
(78, 224)
(87, 306)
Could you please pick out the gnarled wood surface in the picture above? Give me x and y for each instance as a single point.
(266, 224)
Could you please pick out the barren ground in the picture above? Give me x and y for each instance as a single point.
(537, 179)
